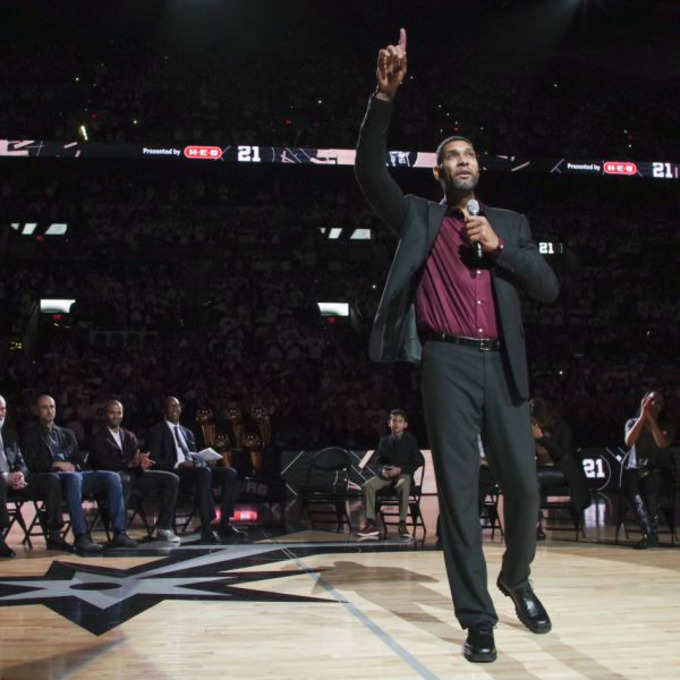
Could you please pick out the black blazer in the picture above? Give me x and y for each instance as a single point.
(107, 455)
(162, 445)
(560, 446)
(37, 451)
(15, 460)
(417, 221)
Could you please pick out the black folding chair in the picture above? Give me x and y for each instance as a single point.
(556, 501)
(14, 504)
(327, 484)
(488, 509)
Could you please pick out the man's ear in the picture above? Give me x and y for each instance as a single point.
(436, 172)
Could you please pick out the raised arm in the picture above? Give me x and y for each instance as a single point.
(662, 438)
(378, 186)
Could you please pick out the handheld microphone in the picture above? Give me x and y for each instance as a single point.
(473, 209)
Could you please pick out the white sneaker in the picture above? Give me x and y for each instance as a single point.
(167, 535)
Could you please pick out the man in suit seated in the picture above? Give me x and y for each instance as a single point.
(397, 458)
(14, 477)
(50, 448)
(117, 449)
(173, 447)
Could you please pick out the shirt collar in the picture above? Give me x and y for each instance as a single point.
(454, 211)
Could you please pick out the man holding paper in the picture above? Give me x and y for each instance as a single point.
(117, 449)
(173, 447)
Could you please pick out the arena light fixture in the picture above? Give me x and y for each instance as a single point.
(361, 235)
(29, 228)
(333, 308)
(56, 305)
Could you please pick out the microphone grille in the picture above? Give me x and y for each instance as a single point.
(473, 207)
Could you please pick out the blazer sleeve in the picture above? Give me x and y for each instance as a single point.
(157, 450)
(99, 455)
(16, 458)
(528, 266)
(370, 170)
(36, 458)
(559, 445)
(131, 445)
(71, 448)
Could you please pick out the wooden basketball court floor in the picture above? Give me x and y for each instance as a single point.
(315, 605)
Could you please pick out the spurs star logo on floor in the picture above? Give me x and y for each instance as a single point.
(99, 598)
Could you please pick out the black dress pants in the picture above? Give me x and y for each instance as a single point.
(466, 392)
(550, 477)
(203, 479)
(154, 482)
(43, 486)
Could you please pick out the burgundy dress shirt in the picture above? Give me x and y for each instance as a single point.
(454, 297)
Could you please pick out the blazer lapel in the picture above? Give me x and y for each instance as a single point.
(436, 218)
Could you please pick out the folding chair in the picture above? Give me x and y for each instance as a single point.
(327, 484)
(488, 510)
(556, 500)
(387, 501)
(15, 501)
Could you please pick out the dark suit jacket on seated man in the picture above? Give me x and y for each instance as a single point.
(117, 449)
(50, 448)
(14, 477)
(397, 458)
(173, 446)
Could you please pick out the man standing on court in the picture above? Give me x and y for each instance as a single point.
(451, 300)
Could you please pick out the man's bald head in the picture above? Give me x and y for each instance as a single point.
(172, 409)
(47, 409)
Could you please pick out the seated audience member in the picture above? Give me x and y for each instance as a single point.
(173, 448)
(50, 448)
(397, 458)
(14, 477)
(557, 464)
(645, 435)
(117, 449)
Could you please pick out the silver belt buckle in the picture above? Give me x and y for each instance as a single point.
(485, 345)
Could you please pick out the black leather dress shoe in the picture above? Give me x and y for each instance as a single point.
(230, 534)
(6, 551)
(84, 545)
(529, 609)
(209, 536)
(122, 540)
(55, 541)
(479, 646)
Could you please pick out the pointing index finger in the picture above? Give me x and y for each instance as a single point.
(402, 39)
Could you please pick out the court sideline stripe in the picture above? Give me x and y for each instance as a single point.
(385, 637)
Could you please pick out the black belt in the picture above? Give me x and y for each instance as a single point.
(482, 344)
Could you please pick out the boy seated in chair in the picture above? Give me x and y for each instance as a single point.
(396, 459)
